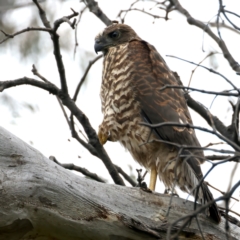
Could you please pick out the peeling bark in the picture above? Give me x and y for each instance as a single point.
(41, 200)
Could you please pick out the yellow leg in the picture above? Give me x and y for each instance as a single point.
(153, 178)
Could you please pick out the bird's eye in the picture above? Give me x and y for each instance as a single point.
(114, 34)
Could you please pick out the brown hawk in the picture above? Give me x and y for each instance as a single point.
(133, 75)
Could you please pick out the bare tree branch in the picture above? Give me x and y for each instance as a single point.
(192, 21)
(84, 76)
(84, 171)
(70, 104)
(39, 196)
(24, 30)
(95, 9)
(127, 178)
(223, 25)
(138, 10)
(42, 14)
(210, 70)
(224, 93)
(188, 218)
(201, 110)
(232, 144)
(76, 29)
(217, 157)
(220, 191)
(36, 73)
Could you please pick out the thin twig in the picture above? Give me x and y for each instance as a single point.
(126, 176)
(189, 217)
(84, 76)
(139, 10)
(217, 157)
(214, 144)
(193, 71)
(28, 29)
(234, 64)
(224, 93)
(224, 151)
(36, 73)
(220, 191)
(84, 171)
(210, 70)
(223, 25)
(201, 110)
(232, 144)
(76, 29)
(232, 175)
(230, 210)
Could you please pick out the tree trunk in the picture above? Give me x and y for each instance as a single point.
(41, 200)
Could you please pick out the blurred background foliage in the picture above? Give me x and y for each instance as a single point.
(13, 18)
(30, 47)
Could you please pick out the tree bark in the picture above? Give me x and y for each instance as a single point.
(41, 200)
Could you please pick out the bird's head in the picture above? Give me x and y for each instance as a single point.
(113, 35)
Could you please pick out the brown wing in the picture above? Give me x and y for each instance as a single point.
(168, 105)
(158, 105)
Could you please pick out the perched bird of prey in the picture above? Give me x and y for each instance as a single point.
(134, 74)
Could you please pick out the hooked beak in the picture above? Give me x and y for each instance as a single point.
(99, 45)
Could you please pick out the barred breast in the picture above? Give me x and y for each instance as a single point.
(122, 121)
(122, 113)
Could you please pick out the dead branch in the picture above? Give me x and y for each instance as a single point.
(223, 93)
(76, 29)
(94, 8)
(84, 171)
(84, 76)
(232, 144)
(28, 29)
(192, 21)
(70, 104)
(34, 188)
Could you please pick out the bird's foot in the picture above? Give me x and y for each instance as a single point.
(103, 137)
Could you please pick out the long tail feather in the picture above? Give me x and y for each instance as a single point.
(203, 193)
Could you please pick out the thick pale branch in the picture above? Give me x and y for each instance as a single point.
(38, 196)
